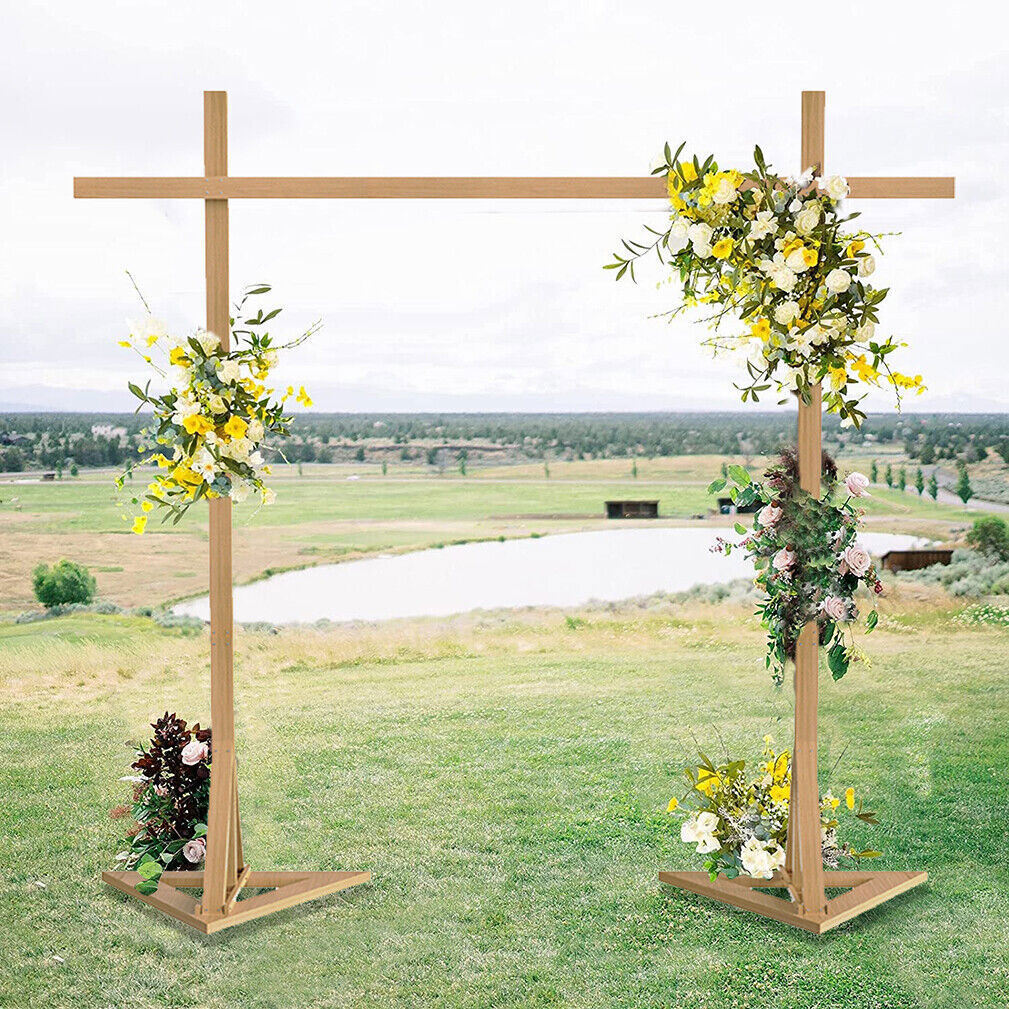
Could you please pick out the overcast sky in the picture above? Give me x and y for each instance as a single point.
(479, 306)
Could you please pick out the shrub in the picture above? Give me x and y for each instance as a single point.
(970, 574)
(990, 536)
(64, 582)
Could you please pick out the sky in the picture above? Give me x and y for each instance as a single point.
(462, 305)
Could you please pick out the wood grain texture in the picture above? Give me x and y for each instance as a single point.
(448, 188)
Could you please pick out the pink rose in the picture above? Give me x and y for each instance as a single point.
(857, 485)
(858, 560)
(195, 850)
(783, 559)
(837, 608)
(193, 752)
(769, 515)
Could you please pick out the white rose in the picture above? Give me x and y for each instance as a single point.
(195, 850)
(769, 515)
(700, 238)
(239, 491)
(255, 431)
(678, 236)
(786, 313)
(208, 341)
(707, 844)
(756, 859)
(148, 329)
(866, 266)
(783, 278)
(269, 496)
(857, 484)
(806, 221)
(795, 261)
(795, 206)
(838, 281)
(836, 186)
(866, 332)
(725, 193)
(858, 560)
(227, 371)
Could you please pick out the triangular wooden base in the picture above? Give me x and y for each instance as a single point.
(867, 889)
(285, 890)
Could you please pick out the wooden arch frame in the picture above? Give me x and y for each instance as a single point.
(226, 872)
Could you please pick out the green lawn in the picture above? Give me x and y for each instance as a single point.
(504, 778)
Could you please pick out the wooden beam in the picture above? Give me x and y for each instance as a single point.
(222, 823)
(221, 187)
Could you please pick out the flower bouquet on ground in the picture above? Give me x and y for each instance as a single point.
(807, 557)
(739, 820)
(171, 797)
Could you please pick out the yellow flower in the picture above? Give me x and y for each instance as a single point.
(761, 328)
(303, 397)
(139, 524)
(177, 356)
(706, 781)
(838, 377)
(849, 798)
(673, 803)
(146, 506)
(183, 475)
(795, 243)
(722, 248)
(780, 793)
(125, 343)
(688, 171)
(809, 257)
(781, 766)
(152, 339)
(236, 428)
(865, 371)
(853, 248)
(197, 424)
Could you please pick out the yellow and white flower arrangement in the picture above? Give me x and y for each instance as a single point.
(740, 821)
(210, 424)
(776, 254)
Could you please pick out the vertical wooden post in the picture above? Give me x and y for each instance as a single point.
(222, 830)
(805, 860)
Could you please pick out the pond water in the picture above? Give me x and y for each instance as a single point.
(559, 570)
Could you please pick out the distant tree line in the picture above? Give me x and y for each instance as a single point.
(65, 440)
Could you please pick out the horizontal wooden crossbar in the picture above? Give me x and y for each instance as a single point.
(448, 188)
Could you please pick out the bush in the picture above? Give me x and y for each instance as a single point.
(990, 536)
(65, 582)
(970, 574)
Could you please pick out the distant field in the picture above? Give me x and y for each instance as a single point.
(332, 513)
(504, 777)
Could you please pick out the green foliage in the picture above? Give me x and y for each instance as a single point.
(933, 487)
(873, 471)
(902, 479)
(964, 491)
(990, 536)
(888, 477)
(63, 583)
(919, 481)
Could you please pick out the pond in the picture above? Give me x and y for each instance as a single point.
(560, 570)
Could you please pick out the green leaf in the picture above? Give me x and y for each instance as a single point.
(147, 886)
(870, 621)
(837, 661)
(716, 485)
(740, 528)
(149, 869)
(739, 475)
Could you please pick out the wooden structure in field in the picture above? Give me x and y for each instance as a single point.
(913, 560)
(226, 871)
(632, 509)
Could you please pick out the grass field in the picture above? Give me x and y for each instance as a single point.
(334, 513)
(504, 778)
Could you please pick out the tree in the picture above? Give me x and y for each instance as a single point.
(385, 467)
(873, 472)
(888, 476)
(73, 469)
(919, 482)
(964, 491)
(990, 536)
(634, 469)
(546, 469)
(933, 487)
(902, 480)
(64, 582)
(359, 454)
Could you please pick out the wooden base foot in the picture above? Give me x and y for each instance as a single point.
(286, 888)
(867, 889)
